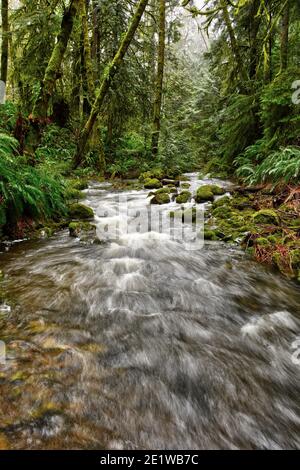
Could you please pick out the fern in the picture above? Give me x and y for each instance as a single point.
(26, 190)
(280, 165)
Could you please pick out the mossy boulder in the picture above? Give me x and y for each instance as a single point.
(72, 193)
(210, 235)
(80, 211)
(80, 185)
(152, 183)
(267, 217)
(204, 194)
(183, 197)
(163, 191)
(77, 228)
(160, 198)
(223, 201)
(156, 173)
(185, 185)
(217, 190)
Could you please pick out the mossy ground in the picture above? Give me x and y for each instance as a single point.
(270, 234)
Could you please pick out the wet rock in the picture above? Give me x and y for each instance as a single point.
(217, 190)
(80, 211)
(185, 185)
(152, 183)
(161, 198)
(79, 229)
(266, 216)
(73, 194)
(156, 173)
(160, 191)
(171, 182)
(183, 197)
(204, 194)
(210, 235)
(80, 185)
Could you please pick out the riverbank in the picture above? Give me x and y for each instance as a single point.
(264, 221)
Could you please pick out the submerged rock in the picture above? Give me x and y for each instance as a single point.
(80, 211)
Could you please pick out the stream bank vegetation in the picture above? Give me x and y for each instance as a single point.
(149, 90)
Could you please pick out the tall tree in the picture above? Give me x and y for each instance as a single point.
(107, 80)
(160, 77)
(285, 37)
(53, 69)
(4, 48)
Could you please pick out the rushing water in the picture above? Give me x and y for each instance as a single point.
(141, 343)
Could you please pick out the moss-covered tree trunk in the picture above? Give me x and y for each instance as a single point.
(254, 25)
(160, 78)
(106, 82)
(86, 52)
(53, 70)
(284, 55)
(5, 39)
(234, 45)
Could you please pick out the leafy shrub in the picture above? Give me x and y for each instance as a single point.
(8, 117)
(57, 144)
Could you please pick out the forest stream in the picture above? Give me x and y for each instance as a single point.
(139, 343)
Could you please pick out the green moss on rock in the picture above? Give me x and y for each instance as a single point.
(217, 190)
(183, 197)
(267, 217)
(210, 235)
(80, 211)
(204, 194)
(152, 183)
(76, 228)
(161, 198)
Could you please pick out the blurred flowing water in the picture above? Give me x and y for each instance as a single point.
(139, 343)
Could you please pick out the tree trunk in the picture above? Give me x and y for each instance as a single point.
(234, 45)
(254, 25)
(86, 50)
(285, 38)
(5, 39)
(107, 79)
(53, 69)
(160, 77)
